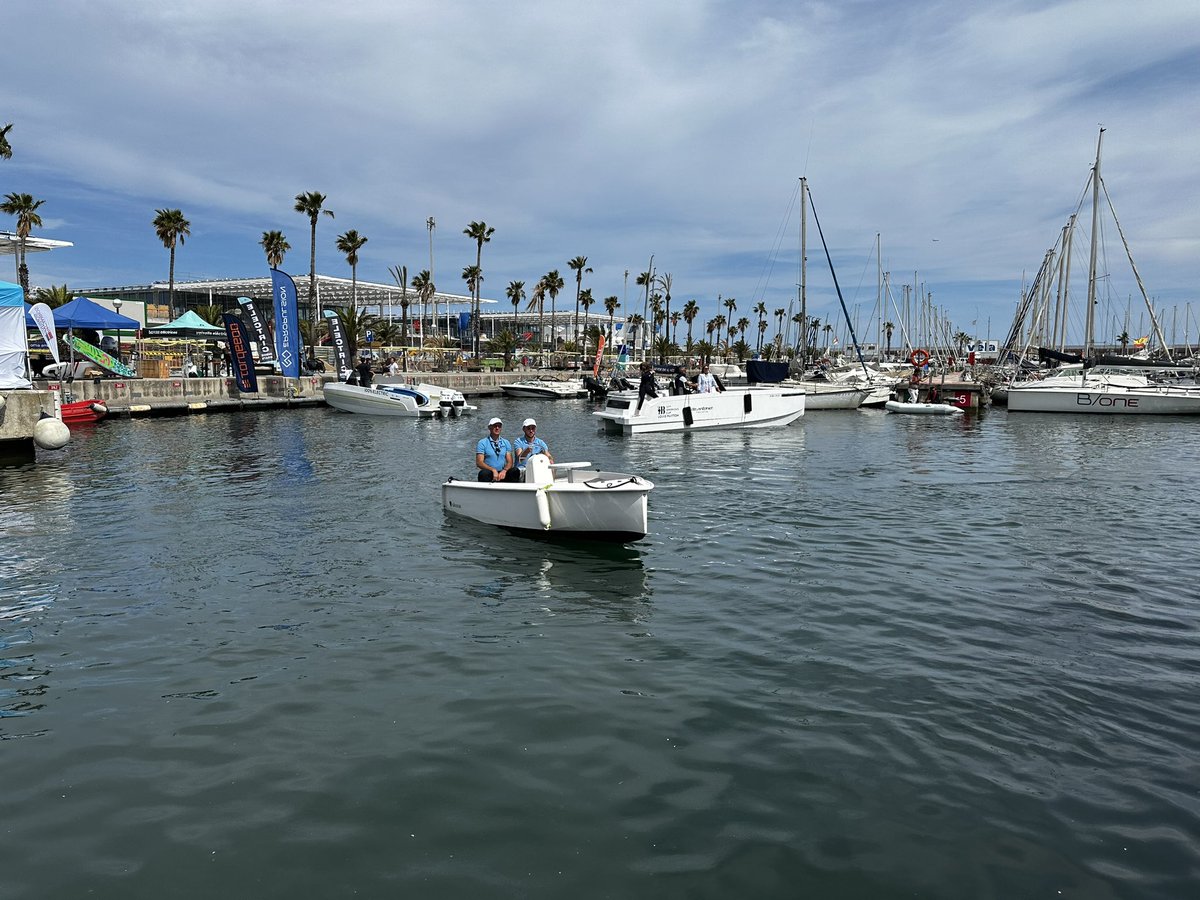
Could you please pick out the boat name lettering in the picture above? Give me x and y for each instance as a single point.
(1102, 400)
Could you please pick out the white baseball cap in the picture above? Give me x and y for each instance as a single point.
(494, 421)
(529, 422)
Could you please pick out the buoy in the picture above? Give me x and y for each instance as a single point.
(50, 433)
(919, 357)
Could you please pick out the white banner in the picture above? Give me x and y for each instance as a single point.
(44, 319)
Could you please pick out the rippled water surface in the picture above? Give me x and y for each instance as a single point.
(863, 656)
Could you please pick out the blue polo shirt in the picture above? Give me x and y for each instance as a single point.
(538, 445)
(494, 452)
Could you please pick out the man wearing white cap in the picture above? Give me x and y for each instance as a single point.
(529, 445)
(494, 455)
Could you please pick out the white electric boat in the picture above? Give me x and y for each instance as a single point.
(422, 401)
(545, 389)
(921, 409)
(570, 500)
(742, 407)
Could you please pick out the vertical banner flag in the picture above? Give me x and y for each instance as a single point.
(43, 317)
(337, 337)
(599, 355)
(266, 348)
(287, 323)
(240, 359)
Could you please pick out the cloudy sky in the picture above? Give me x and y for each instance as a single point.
(960, 132)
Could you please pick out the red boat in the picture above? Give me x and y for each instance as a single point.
(83, 412)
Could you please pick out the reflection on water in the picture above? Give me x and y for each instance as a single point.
(558, 574)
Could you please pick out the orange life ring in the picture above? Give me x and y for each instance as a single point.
(919, 357)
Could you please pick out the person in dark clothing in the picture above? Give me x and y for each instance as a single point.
(646, 387)
(681, 385)
(364, 372)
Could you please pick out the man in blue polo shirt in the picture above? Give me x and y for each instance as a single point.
(494, 456)
(529, 445)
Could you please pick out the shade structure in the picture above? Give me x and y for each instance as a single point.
(84, 313)
(13, 348)
(189, 325)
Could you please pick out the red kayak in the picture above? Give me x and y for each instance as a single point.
(83, 412)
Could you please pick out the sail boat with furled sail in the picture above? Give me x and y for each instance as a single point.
(1094, 384)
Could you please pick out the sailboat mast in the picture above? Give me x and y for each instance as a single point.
(1090, 329)
(804, 270)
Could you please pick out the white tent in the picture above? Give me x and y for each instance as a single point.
(14, 347)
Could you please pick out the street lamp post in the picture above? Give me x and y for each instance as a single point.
(117, 307)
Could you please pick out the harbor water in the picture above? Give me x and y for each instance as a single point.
(866, 655)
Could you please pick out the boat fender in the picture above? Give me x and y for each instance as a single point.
(747, 403)
(50, 433)
(919, 357)
(687, 416)
(543, 507)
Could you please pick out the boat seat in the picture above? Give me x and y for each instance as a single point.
(538, 471)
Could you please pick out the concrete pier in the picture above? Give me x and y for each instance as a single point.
(21, 412)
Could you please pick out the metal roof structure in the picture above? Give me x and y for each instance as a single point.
(10, 244)
(331, 291)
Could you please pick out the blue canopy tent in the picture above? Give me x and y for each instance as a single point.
(84, 313)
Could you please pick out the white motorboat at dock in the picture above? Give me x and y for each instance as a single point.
(743, 407)
(545, 389)
(571, 500)
(421, 401)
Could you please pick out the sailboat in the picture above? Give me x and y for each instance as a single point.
(1094, 385)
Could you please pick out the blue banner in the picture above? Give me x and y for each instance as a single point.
(287, 323)
(464, 323)
(266, 352)
(240, 359)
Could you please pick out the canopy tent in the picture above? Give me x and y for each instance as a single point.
(84, 313)
(189, 325)
(14, 351)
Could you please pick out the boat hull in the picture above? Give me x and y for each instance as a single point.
(826, 395)
(584, 505)
(83, 412)
(422, 401)
(753, 407)
(921, 409)
(544, 390)
(1105, 400)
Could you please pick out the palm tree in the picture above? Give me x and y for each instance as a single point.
(473, 276)
(275, 245)
(813, 325)
(798, 321)
(579, 266)
(554, 284)
(888, 328)
(730, 304)
(719, 323)
(676, 317)
(537, 301)
(422, 283)
(779, 314)
(691, 309)
(585, 300)
(310, 204)
(1122, 339)
(506, 343)
(53, 296)
(760, 310)
(636, 322)
(349, 244)
(481, 234)
(356, 323)
(210, 313)
(400, 276)
(762, 330)
(515, 293)
(611, 305)
(5, 147)
(171, 228)
(827, 328)
(664, 282)
(704, 349)
(25, 208)
(643, 280)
